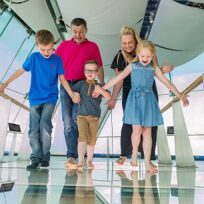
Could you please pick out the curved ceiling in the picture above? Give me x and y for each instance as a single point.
(177, 29)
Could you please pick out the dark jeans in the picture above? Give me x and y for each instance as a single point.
(69, 114)
(126, 131)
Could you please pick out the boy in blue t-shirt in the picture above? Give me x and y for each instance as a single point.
(45, 68)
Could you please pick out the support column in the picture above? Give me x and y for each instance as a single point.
(164, 156)
(4, 112)
(25, 149)
(183, 149)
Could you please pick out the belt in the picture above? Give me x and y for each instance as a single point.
(141, 92)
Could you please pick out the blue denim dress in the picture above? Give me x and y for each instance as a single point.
(141, 106)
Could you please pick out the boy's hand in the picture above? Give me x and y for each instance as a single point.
(2, 87)
(184, 99)
(76, 97)
(97, 91)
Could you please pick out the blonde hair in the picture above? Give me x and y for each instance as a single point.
(147, 45)
(129, 31)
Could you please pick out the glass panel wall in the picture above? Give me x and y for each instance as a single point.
(15, 46)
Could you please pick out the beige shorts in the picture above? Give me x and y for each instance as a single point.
(88, 127)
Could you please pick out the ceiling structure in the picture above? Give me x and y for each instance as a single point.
(175, 26)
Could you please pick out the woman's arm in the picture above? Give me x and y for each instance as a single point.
(100, 75)
(116, 90)
(119, 77)
(165, 68)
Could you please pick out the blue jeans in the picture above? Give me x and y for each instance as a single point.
(69, 114)
(40, 131)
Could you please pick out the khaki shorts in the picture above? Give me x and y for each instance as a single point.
(88, 127)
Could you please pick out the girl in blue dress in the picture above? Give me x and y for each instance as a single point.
(142, 110)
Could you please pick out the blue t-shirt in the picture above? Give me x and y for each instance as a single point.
(44, 78)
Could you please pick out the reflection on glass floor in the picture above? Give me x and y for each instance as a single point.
(108, 183)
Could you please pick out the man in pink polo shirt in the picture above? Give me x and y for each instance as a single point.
(74, 53)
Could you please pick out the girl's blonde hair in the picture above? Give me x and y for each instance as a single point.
(147, 45)
(129, 31)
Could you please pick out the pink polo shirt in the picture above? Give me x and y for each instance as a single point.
(75, 55)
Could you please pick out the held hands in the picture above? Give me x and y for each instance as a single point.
(76, 97)
(97, 91)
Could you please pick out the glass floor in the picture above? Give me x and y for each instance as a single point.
(107, 183)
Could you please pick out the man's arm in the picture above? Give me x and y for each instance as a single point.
(100, 75)
(74, 95)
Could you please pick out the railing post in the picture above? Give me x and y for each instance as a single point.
(164, 156)
(165, 174)
(4, 112)
(25, 150)
(186, 185)
(184, 154)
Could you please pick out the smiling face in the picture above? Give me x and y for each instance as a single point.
(145, 56)
(45, 50)
(79, 33)
(128, 43)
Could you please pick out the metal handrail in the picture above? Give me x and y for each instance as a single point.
(15, 101)
(187, 90)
